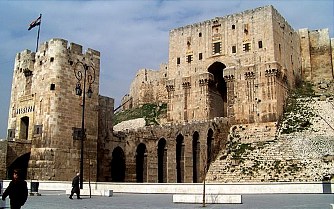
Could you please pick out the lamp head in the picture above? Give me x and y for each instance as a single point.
(78, 90)
(89, 92)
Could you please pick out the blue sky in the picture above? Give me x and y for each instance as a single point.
(130, 35)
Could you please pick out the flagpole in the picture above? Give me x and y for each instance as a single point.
(39, 28)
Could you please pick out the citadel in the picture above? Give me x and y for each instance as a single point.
(226, 83)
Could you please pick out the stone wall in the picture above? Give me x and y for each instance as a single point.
(256, 50)
(3, 159)
(131, 143)
(106, 112)
(233, 70)
(147, 87)
(46, 112)
(317, 56)
(261, 57)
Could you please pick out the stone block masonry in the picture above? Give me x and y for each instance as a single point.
(45, 81)
(232, 71)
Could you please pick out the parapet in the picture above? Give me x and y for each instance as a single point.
(217, 19)
(75, 48)
(62, 46)
(24, 54)
(51, 43)
(93, 52)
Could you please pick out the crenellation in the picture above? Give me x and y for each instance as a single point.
(94, 53)
(75, 48)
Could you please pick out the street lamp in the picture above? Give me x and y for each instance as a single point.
(85, 75)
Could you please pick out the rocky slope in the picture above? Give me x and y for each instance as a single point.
(300, 150)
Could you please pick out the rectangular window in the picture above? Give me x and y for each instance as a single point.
(216, 48)
(52, 86)
(189, 58)
(260, 44)
(246, 28)
(38, 129)
(246, 47)
(233, 27)
(178, 60)
(234, 49)
(200, 56)
(11, 134)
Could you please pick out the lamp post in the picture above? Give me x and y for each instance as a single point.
(83, 76)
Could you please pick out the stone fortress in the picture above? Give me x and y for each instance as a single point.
(225, 84)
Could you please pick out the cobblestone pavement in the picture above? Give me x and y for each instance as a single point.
(59, 200)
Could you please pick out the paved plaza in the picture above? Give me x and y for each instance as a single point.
(59, 200)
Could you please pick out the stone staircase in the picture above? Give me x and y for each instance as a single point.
(258, 154)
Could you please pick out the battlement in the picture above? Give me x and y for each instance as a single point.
(75, 48)
(268, 10)
(55, 42)
(25, 54)
(231, 16)
(61, 45)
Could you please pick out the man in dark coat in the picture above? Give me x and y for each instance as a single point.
(17, 191)
(75, 186)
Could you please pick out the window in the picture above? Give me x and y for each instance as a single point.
(234, 49)
(189, 58)
(52, 86)
(199, 34)
(11, 134)
(200, 56)
(38, 129)
(233, 27)
(216, 48)
(52, 59)
(246, 28)
(178, 60)
(246, 47)
(260, 44)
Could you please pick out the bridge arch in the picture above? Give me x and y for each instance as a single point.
(141, 163)
(162, 161)
(118, 165)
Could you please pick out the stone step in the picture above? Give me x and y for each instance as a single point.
(209, 198)
(94, 192)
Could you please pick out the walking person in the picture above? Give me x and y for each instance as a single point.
(17, 191)
(75, 186)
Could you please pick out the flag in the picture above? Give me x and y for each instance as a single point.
(35, 22)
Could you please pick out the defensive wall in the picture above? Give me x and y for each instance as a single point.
(227, 72)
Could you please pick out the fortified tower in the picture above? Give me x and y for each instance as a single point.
(149, 86)
(317, 56)
(239, 66)
(45, 112)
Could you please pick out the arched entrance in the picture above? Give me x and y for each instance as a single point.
(179, 159)
(141, 163)
(118, 165)
(162, 161)
(218, 91)
(24, 127)
(20, 163)
(209, 145)
(196, 156)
